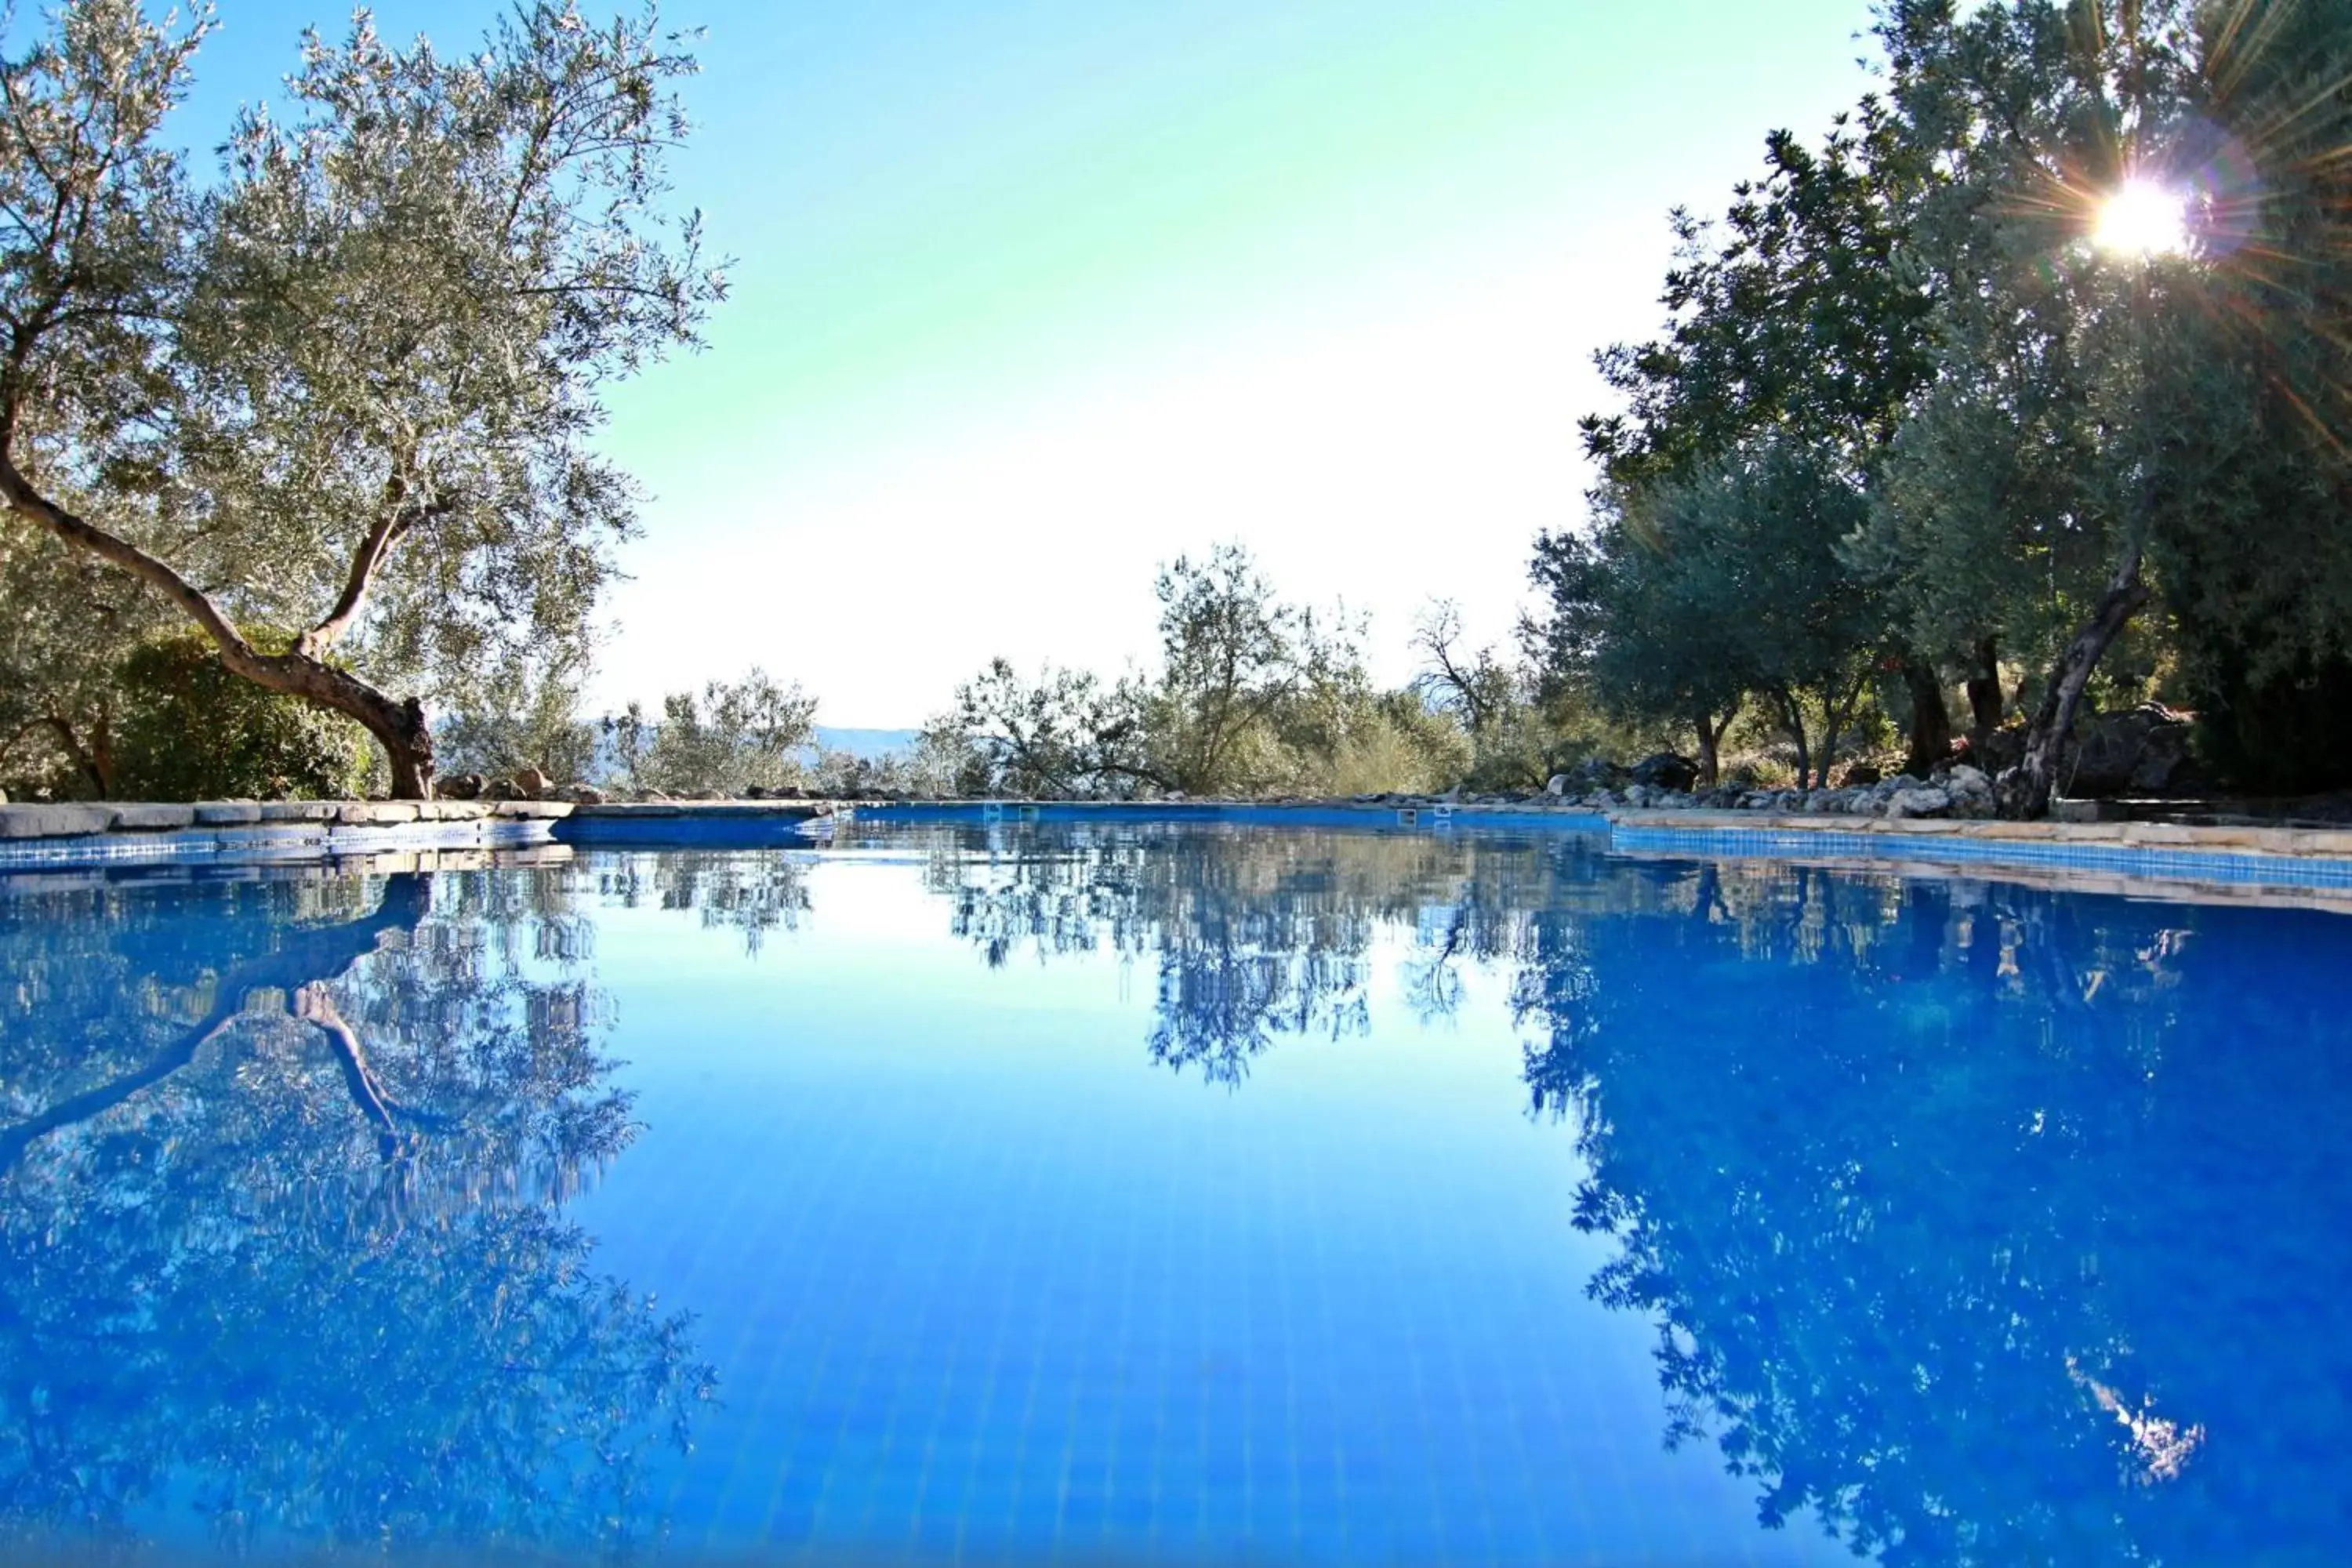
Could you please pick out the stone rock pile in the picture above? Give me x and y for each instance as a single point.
(1961, 791)
(530, 784)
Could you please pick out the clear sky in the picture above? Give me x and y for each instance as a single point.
(1030, 295)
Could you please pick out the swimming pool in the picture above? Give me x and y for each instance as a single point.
(1188, 1193)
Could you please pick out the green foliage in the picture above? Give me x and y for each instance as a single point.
(2099, 412)
(934, 769)
(1905, 414)
(1516, 739)
(735, 736)
(352, 384)
(2258, 574)
(520, 716)
(99, 699)
(190, 730)
(1716, 573)
(1067, 733)
(1634, 625)
(1791, 316)
(1247, 680)
(1254, 695)
(66, 623)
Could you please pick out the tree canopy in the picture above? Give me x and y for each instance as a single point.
(347, 386)
(1254, 693)
(2016, 444)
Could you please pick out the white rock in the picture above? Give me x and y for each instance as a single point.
(1922, 802)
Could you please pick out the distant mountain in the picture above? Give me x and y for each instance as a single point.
(871, 744)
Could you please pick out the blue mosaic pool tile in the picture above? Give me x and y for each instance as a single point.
(2228, 868)
(264, 842)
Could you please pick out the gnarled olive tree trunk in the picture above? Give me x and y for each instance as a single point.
(2027, 795)
(397, 723)
(1710, 727)
(1930, 740)
(1985, 705)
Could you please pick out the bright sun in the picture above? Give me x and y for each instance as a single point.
(2142, 218)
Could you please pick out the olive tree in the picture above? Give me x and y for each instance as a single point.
(2259, 580)
(1722, 584)
(102, 696)
(1640, 625)
(1236, 661)
(520, 712)
(734, 736)
(1793, 344)
(66, 622)
(1252, 692)
(1759, 534)
(350, 385)
(1066, 732)
(2110, 432)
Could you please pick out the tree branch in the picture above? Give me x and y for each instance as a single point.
(82, 757)
(332, 950)
(36, 508)
(1142, 775)
(387, 532)
(315, 1006)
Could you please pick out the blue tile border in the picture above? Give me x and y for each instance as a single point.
(1422, 815)
(2228, 868)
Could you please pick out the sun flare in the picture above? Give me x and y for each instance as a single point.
(2142, 218)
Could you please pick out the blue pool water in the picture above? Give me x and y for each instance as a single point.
(1190, 1194)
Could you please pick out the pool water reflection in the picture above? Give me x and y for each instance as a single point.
(1198, 1194)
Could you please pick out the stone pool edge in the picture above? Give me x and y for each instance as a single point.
(85, 836)
(2310, 867)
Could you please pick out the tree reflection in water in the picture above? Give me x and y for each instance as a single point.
(280, 1243)
(1992, 1224)
(753, 894)
(1985, 1223)
(1253, 936)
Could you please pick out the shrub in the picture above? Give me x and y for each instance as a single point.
(192, 731)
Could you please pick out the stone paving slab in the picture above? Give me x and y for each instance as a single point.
(53, 821)
(33, 837)
(152, 818)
